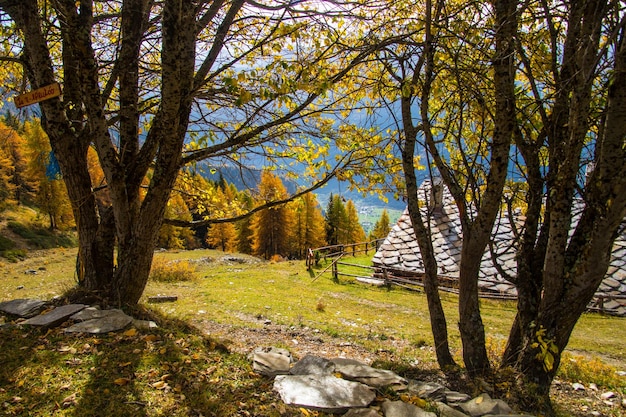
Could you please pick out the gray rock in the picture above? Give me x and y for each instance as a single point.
(271, 361)
(453, 397)
(313, 365)
(427, 390)
(324, 393)
(23, 307)
(447, 411)
(356, 371)
(56, 316)
(402, 409)
(362, 412)
(144, 324)
(608, 395)
(112, 321)
(91, 313)
(483, 405)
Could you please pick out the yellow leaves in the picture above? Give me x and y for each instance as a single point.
(547, 349)
(160, 385)
(151, 338)
(130, 332)
(414, 399)
(121, 381)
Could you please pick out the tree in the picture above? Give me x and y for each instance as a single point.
(336, 221)
(245, 233)
(272, 226)
(355, 232)
(381, 227)
(14, 147)
(176, 237)
(6, 174)
(133, 71)
(561, 262)
(560, 107)
(223, 235)
(309, 231)
(51, 195)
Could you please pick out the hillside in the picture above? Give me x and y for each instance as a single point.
(23, 229)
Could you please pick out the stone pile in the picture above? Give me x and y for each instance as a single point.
(349, 387)
(86, 319)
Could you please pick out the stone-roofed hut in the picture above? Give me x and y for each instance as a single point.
(399, 253)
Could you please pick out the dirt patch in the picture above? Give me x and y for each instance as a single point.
(301, 341)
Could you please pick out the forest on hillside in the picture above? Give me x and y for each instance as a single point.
(30, 177)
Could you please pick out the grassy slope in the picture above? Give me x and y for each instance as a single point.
(287, 294)
(51, 373)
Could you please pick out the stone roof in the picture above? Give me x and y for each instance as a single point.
(400, 251)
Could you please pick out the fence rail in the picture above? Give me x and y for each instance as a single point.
(314, 256)
(413, 281)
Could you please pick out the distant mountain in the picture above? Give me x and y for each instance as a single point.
(249, 178)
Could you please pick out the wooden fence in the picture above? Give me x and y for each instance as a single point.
(314, 256)
(386, 276)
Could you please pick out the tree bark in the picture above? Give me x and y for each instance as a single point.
(574, 258)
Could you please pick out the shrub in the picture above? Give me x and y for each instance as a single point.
(6, 244)
(42, 238)
(163, 271)
(578, 368)
(14, 255)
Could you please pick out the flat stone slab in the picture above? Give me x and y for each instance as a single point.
(56, 316)
(271, 361)
(91, 313)
(483, 405)
(23, 307)
(313, 365)
(402, 409)
(427, 390)
(446, 411)
(113, 321)
(355, 371)
(324, 393)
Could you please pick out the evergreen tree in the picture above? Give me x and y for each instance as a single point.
(245, 234)
(382, 227)
(336, 221)
(223, 235)
(309, 231)
(355, 232)
(272, 226)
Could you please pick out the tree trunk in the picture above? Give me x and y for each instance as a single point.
(470, 322)
(422, 234)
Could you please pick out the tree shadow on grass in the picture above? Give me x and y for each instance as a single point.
(173, 370)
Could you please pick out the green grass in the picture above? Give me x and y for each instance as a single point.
(286, 293)
(40, 237)
(41, 371)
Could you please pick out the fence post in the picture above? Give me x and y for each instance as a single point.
(335, 271)
(309, 259)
